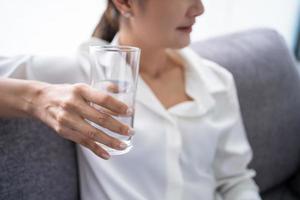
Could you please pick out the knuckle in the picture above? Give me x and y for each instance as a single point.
(93, 146)
(104, 139)
(61, 118)
(106, 98)
(91, 134)
(67, 104)
(104, 118)
(71, 102)
(113, 143)
(89, 144)
(123, 129)
(82, 141)
(72, 98)
(59, 129)
(85, 142)
(78, 87)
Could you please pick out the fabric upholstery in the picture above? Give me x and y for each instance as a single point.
(35, 163)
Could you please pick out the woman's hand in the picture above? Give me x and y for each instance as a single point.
(65, 108)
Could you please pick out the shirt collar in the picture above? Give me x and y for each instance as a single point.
(201, 83)
(115, 40)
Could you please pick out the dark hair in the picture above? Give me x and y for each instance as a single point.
(108, 25)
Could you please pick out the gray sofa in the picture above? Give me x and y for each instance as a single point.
(37, 164)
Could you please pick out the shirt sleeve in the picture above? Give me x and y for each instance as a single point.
(51, 69)
(234, 179)
(73, 68)
(14, 67)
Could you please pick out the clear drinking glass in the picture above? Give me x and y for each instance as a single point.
(115, 71)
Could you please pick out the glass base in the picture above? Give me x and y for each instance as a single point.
(114, 152)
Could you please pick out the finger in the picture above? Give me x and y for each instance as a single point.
(115, 88)
(103, 119)
(75, 122)
(105, 100)
(111, 87)
(79, 139)
(104, 110)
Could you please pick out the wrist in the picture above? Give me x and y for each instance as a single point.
(30, 101)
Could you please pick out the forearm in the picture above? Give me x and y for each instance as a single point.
(16, 97)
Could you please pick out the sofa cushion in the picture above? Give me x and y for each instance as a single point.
(268, 89)
(281, 192)
(295, 183)
(35, 163)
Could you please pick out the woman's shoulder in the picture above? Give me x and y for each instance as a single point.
(84, 47)
(216, 76)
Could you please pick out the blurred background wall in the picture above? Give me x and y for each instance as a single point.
(59, 26)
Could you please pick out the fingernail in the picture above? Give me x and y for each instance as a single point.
(130, 131)
(126, 131)
(106, 156)
(129, 111)
(123, 145)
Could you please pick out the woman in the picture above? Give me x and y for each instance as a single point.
(190, 142)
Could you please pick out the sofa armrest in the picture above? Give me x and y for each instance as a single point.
(35, 163)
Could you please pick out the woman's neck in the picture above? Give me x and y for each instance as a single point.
(154, 60)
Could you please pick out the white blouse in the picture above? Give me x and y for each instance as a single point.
(193, 150)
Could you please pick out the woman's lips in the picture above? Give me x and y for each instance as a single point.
(185, 29)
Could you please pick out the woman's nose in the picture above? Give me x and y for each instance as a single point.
(197, 8)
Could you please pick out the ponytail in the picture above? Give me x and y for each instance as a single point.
(108, 26)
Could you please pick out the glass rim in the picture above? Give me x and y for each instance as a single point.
(114, 48)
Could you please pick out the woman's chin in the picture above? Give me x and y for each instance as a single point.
(181, 43)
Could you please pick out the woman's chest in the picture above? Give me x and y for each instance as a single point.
(169, 89)
(194, 138)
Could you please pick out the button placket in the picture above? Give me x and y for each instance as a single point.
(174, 173)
